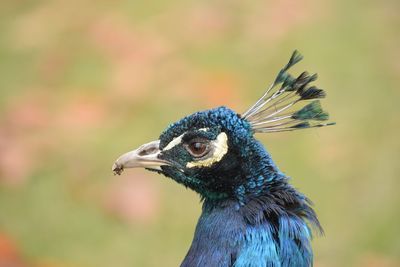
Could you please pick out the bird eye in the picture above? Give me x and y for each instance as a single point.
(197, 149)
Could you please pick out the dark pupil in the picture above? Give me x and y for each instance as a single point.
(197, 148)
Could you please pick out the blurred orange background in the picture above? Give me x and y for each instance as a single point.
(83, 81)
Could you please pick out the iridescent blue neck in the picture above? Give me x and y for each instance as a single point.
(263, 224)
(259, 173)
(228, 234)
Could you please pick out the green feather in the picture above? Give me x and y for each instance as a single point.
(294, 59)
(312, 111)
(283, 76)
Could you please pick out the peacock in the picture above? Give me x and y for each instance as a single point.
(251, 215)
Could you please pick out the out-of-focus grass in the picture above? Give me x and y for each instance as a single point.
(82, 82)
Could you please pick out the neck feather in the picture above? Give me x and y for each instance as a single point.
(270, 229)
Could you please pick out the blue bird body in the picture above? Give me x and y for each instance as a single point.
(265, 223)
(251, 215)
(224, 238)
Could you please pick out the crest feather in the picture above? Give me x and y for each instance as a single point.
(276, 110)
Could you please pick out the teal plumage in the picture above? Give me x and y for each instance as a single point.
(251, 215)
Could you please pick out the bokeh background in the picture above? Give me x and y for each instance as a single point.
(83, 81)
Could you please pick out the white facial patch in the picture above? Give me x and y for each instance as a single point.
(176, 141)
(220, 149)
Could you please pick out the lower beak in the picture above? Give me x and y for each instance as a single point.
(146, 156)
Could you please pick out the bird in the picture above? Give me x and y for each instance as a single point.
(251, 215)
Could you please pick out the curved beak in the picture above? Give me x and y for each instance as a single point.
(146, 156)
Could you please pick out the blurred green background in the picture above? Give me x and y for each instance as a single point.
(83, 81)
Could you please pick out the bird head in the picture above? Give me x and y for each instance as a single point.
(214, 152)
(203, 151)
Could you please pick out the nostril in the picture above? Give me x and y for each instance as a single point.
(147, 151)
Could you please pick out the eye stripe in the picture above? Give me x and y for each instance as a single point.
(176, 141)
(221, 148)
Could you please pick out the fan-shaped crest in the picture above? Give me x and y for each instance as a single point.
(289, 103)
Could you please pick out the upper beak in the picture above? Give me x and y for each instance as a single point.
(146, 156)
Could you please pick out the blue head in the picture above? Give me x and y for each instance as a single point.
(214, 152)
